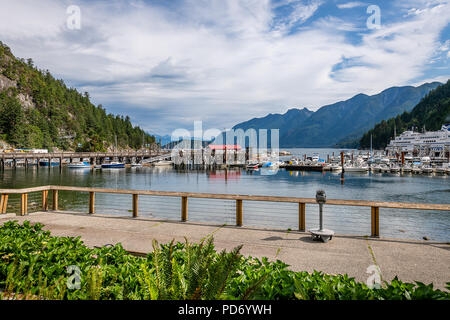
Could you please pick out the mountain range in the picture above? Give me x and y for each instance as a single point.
(340, 124)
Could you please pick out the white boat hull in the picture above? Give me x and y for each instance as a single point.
(163, 163)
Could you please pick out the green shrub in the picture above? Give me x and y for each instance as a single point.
(33, 265)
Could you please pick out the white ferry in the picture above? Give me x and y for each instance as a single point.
(434, 141)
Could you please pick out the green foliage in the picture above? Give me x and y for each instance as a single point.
(282, 283)
(33, 265)
(431, 112)
(61, 116)
(200, 273)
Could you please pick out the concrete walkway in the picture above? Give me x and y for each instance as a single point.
(410, 260)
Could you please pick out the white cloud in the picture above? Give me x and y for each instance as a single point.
(350, 5)
(216, 61)
(301, 11)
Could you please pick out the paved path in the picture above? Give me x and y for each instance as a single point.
(410, 260)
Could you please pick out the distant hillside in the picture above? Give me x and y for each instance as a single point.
(431, 112)
(341, 123)
(288, 121)
(39, 111)
(184, 143)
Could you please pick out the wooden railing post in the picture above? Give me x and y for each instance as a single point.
(135, 205)
(3, 203)
(239, 212)
(184, 209)
(45, 200)
(91, 202)
(375, 225)
(23, 204)
(55, 200)
(301, 216)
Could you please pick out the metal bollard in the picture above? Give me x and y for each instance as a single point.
(321, 233)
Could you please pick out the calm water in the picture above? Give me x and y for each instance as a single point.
(348, 220)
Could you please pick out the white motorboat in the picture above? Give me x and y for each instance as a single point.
(425, 159)
(281, 164)
(163, 163)
(136, 165)
(376, 169)
(406, 169)
(79, 165)
(427, 169)
(356, 169)
(443, 169)
(315, 157)
(336, 167)
(252, 165)
(416, 170)
(384, 168)
(395, 169)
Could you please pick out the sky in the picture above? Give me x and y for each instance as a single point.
(168, 63)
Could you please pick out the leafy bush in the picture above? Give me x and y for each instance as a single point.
(33, 265)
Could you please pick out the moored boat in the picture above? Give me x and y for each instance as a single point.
(163, 163)
(406, 169)
(46, 163)
(269, 164)
(336, 167)
(136, 165)
(79, 165)
(252, 166)
(442, 169)
(376, 168)
(356, 168)
(416, 170)
(427, 169)
(113, 165)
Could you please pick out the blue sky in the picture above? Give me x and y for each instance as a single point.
(170, 63)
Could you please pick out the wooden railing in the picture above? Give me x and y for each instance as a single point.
(374, 205)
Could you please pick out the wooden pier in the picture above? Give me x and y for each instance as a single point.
(184, 198)
(94, 157)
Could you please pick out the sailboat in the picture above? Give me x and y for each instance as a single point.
(114, 164)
